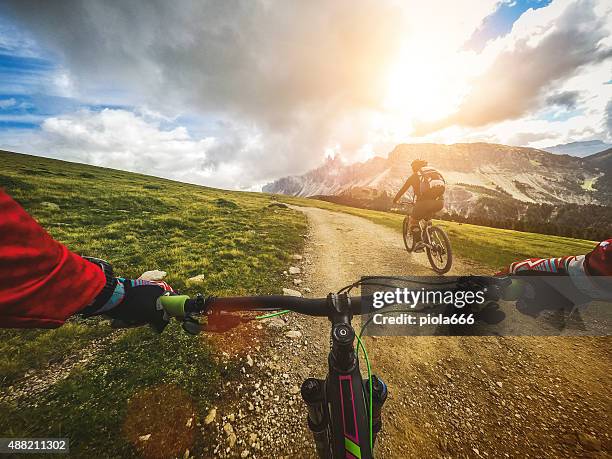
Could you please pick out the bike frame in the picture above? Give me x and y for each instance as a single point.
(338, 406)
(426, 226)
(435, 249)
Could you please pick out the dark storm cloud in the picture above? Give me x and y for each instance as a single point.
(566, 99)
(518, 77)
(273, 65)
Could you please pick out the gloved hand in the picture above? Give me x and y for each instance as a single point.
(139, 304)
(540, 293)
(129, 302)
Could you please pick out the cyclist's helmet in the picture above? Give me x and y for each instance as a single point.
(599, 261)
(417, 164)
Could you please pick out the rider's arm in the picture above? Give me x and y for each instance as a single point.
(409, 183)
(41, 282)
(539, 266)
(590, 275)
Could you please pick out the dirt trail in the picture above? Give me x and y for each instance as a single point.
(449, 396)
(37, 381)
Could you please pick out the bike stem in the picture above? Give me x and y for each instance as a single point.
(342, 356)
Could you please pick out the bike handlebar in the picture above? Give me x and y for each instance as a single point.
(309, 306)
(184, 306)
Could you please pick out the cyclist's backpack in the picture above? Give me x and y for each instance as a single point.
(431, 183)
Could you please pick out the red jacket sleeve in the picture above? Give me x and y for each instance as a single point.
(41, 282)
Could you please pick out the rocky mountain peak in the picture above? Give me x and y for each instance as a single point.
(472, 170)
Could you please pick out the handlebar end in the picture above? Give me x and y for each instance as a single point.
(174, 305)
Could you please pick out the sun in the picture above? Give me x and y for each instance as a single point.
(424, 84)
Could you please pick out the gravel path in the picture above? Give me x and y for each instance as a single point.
(449, 396)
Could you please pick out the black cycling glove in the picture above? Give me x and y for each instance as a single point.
(130, 302)
(139, 305)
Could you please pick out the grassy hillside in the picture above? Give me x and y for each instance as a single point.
(491, 247)
(138, 223)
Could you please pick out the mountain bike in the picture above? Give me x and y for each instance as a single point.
(436, 241)
(343, 410)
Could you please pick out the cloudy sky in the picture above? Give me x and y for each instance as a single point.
(236, 93)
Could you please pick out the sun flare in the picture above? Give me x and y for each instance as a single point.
(423, 85)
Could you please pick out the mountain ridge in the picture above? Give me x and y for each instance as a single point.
(579, 149)
(472, 170)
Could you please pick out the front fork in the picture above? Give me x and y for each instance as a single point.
(379, 396)
(313, 393)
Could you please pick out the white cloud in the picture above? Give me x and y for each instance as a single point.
(138, 142)
(124, 140)
(15, 41)
(546, 47)
(277, 83)
(7, 103)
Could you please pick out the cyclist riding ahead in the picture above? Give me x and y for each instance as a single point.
(428, 186)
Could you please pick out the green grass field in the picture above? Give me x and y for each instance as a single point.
(138, 223)
(141, 223)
